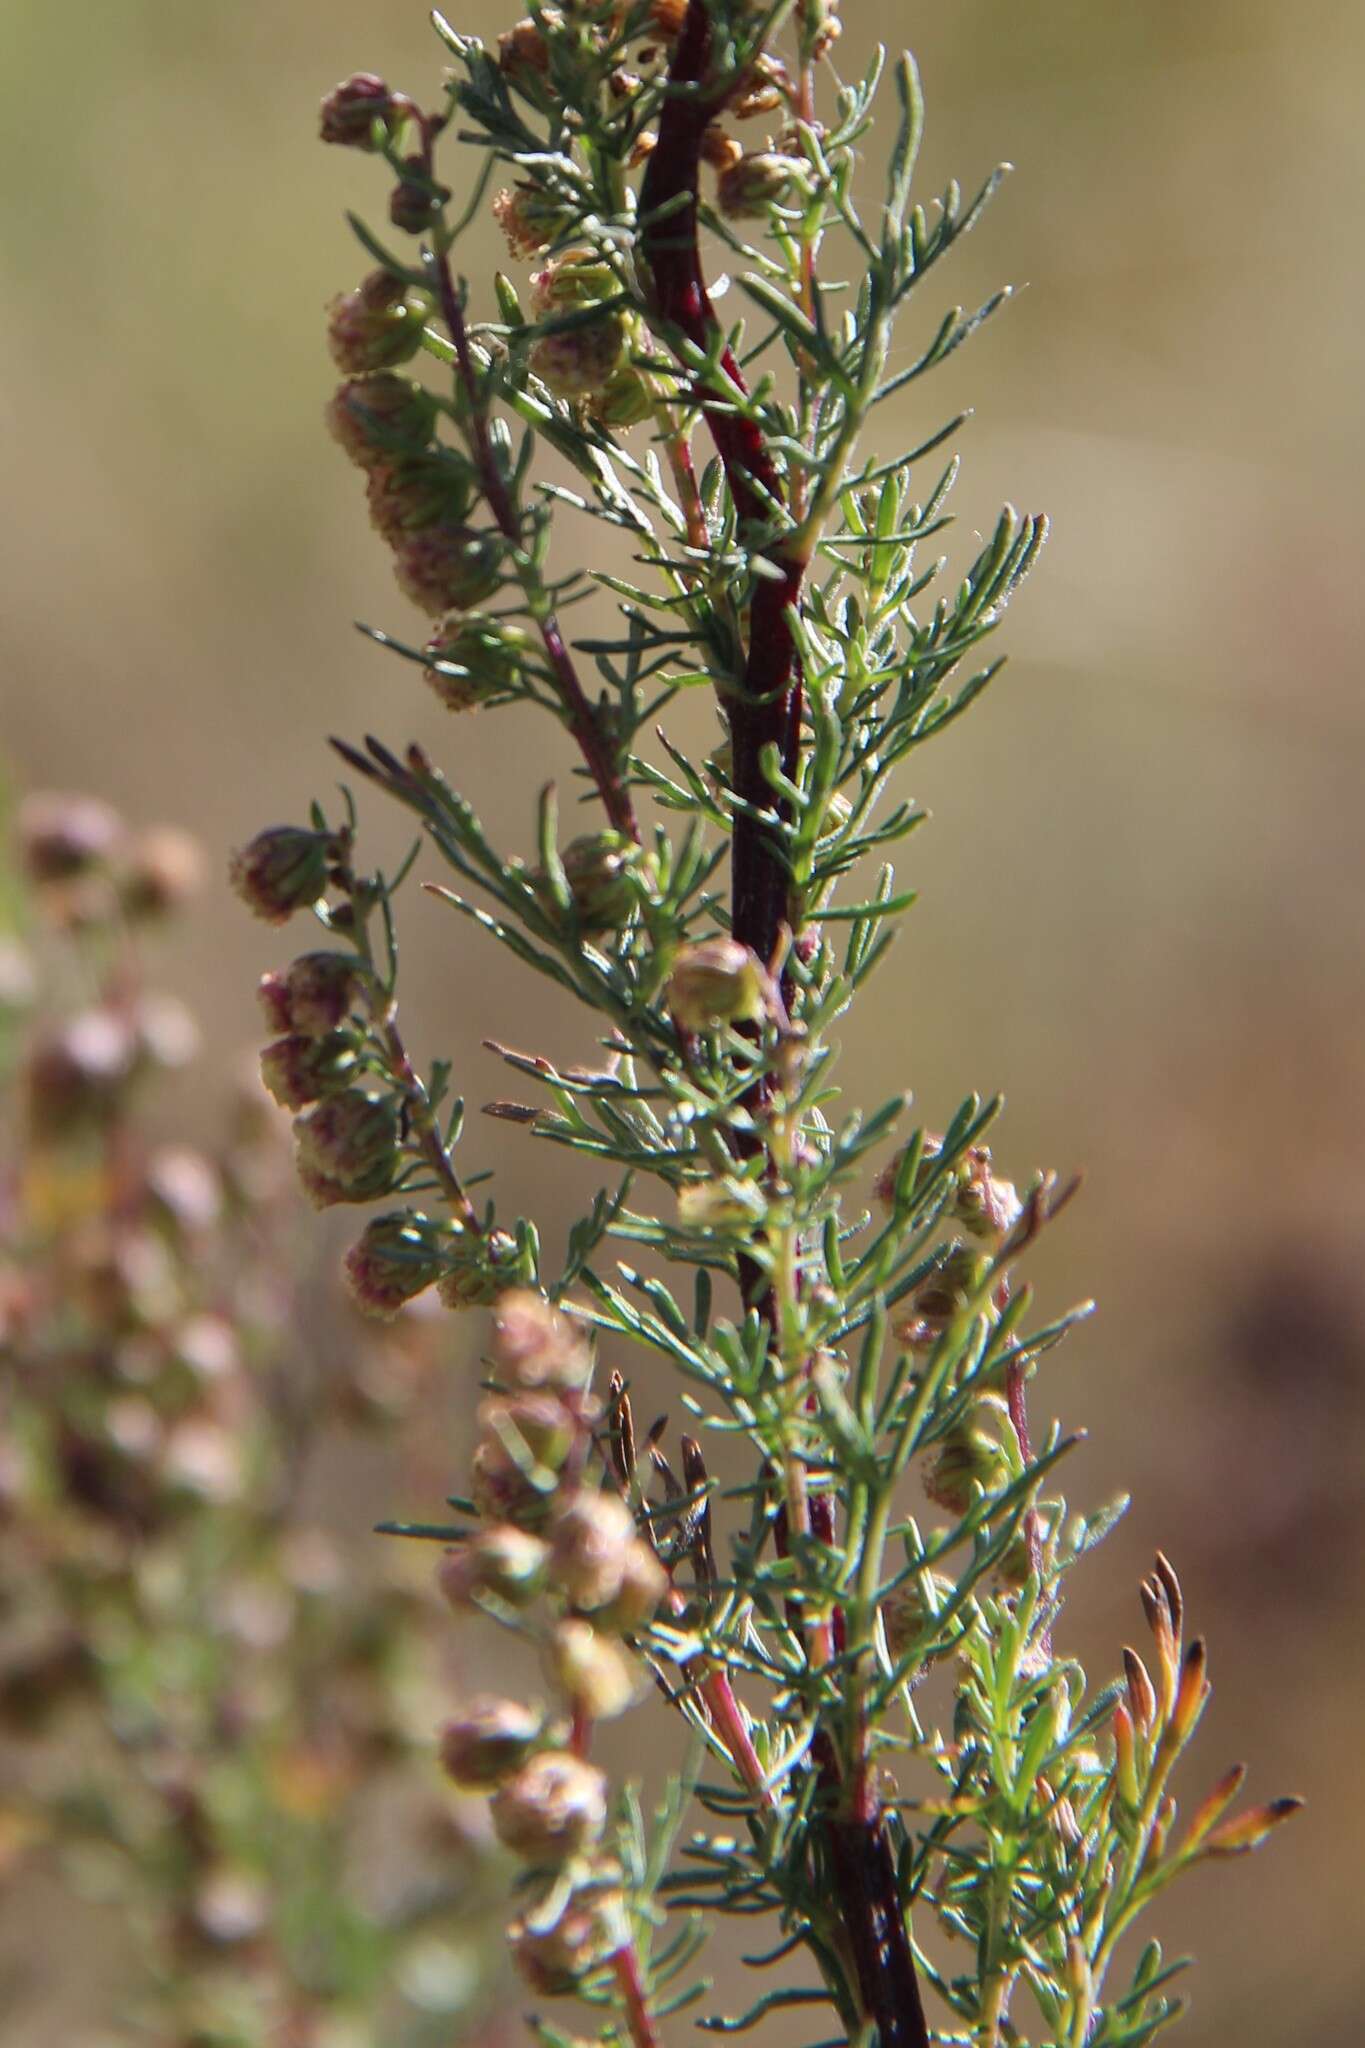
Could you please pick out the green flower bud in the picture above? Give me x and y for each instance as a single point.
(377, 418)
(284, 869)
(351, 109)
(746, 190)
(298, 1071)
(580, 360)
(629, 396)
(970, 1456)
(598, 868)
(488, 1742)
(912, 1609)
(480, 1268)
(419, 489)
(530, 219)
(554, 1808)
(348, 1142)
(447, 567)
(397, 1257)
(374, 327)
(476, 658)
(717, 982)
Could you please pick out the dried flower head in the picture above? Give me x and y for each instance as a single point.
(554, 1808)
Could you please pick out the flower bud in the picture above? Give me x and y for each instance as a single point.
(643, 1585)
(537, 1345)
(579, 360)
(475, 658)
(985, 1207)
(594, 1672)
(943, 1297)
(530, 219)
(912, 1610)
(283, 869)
(716, 982)
(554, 1808)
(720, 149)
(319, 992)
(489, 1741)
(969, 1456)
(349, 1141)
(480, 1268)
(524, 59)
(164, 870)
(629, 396)
(447, 567)
(1248, 1830)
(62, 838)
(597, 867)
(397, 1257)
(415, 202)
(374, 327)
(554, 1960)
(418, 489)
(376, 418)
(537, 1429)
(746, 190)
(351, 109)
(504, 1561)
(505, 1489)
(724, 1203)
(590, 1538)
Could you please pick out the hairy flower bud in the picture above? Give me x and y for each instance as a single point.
(62, 838)
(507, 1489)
(579, 359)
(537, 1345)
(716, 982)
(351, 109)
(554, 1960)
(530, 219)
(746, 190)
(283, 869)
(590, 1539)
(489, 1741)
(376, 419)
(397, 1257)
(505, 1561)
(348, 1142)
(447, 567)
(909, 1612)
(427, 487)
(298, 1071)
(554, 1808)
(476, 658)
(594, 1672)
(374, 327)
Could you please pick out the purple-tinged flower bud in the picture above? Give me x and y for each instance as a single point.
(378, 418)
(580, 360)
(348, 1141)
(375, 327)
(489, 1741)
(62, 838)
(530, 219)
(505, 1561)
(505, 1489)
(555, 1960)
(716, 982)
(298, 1071)
(321, 990)
(537, 1429)
(942, 1298)
(272, 992)
(538, 1345)
(476, 658)
(554, 1808)
(749, 188)
(397, 1258)
(283, 869)
(447, 567)
(351, 109)
(594, 1672)
(415, 202)
(418, 490)
(590, 1538)
(165, 868)
(885, 1185)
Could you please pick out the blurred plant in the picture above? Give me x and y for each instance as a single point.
(204, 1698)
(855, 1355)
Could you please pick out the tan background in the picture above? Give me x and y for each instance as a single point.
(1142, 907)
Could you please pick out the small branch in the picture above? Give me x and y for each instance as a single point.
(626, 1968)
(422, 1119)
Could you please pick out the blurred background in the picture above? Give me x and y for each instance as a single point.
(1141, 915)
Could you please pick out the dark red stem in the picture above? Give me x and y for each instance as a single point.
(766, 710)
